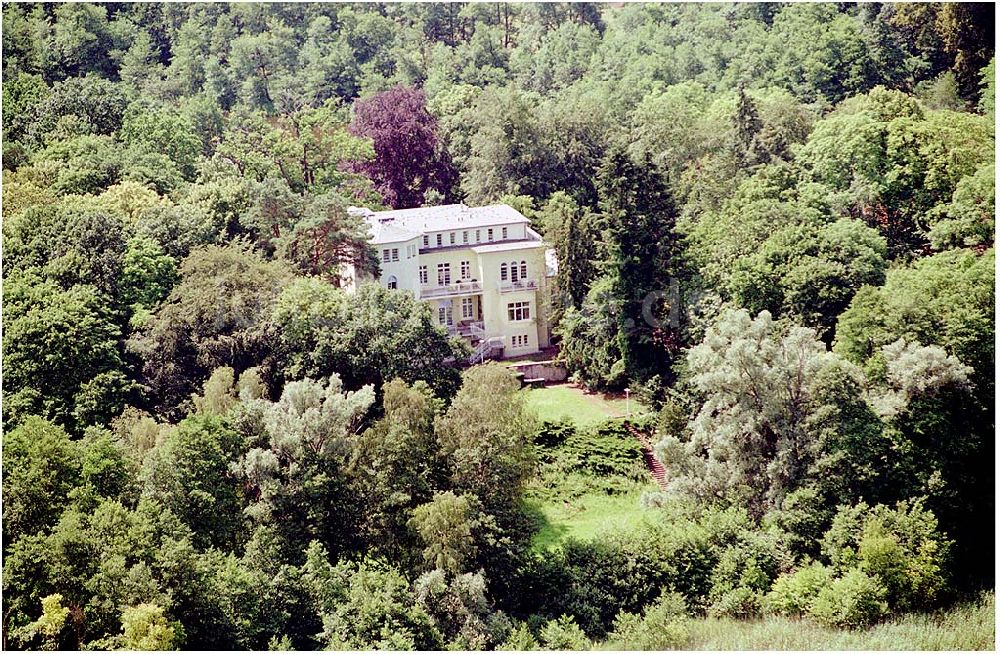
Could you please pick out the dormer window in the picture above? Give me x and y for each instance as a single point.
(451, 238)
(503, 234)
(427, 241)
(489, 234)
(439, 243)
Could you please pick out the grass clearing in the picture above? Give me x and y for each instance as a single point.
(583, 408)
(569, 501)
(967, 626)
(588, 517)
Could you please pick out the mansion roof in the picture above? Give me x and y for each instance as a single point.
(407, 224)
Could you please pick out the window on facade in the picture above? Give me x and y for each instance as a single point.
(411, 251)
(392, 283)
(427, 241)
(423, 274)
(444, 315)
(439, 240)
(489, 234)
(518, 311)
(385, 255)
(524, 270)
(466, 269)
(513, 271)
(519, 340)
(465, 237)
(466, 307)
(395, 254)
(503, 272)
(503, 234)
(444, 274)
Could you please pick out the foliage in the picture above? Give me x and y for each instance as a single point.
(445, 525)
(372, 608)
(561, 634)
(460, 609)
(759, 440)
(485, 434)
(852, 601)
(901, 547)
(663, 626)
(52, 621)
(189, 473)
(408, 160)
(42, 467)
(370, 337)
(145, 628)
(215, 316)
(295, 471)
(968, 625)
(213, 440)
(793, 593)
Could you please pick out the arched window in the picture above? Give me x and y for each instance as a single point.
(503, 272)
(524, 270)
(513, 271)
(392, 281)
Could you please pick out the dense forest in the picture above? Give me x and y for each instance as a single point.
(774, 224)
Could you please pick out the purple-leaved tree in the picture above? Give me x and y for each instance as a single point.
(408, 158)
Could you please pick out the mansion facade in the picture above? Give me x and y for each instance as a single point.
(483, 270)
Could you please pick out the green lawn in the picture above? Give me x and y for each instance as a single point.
(588, 517)
(583, 408)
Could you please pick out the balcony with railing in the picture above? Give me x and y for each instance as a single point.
(468, 329)
(448, 290)
(521, 285)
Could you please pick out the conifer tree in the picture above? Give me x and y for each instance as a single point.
(641, 246)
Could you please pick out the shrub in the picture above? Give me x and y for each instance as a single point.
(592, 582)
(746, 566)
(664, 626)
(794, 593)
(902, 547)
(563, 633)
(740, 603)
(520, 639)
(853, 601)
(605, 450)
(554, 433)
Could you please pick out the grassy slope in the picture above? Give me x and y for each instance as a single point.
(968, 626)
(594, 514)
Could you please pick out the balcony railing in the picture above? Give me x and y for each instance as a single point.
(470, 328)
(461, 288)
(522, 285)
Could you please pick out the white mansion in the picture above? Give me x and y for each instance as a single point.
(483, 270)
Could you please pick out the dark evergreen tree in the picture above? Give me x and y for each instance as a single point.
(641, 252)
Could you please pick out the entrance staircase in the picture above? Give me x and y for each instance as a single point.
(488, 348)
